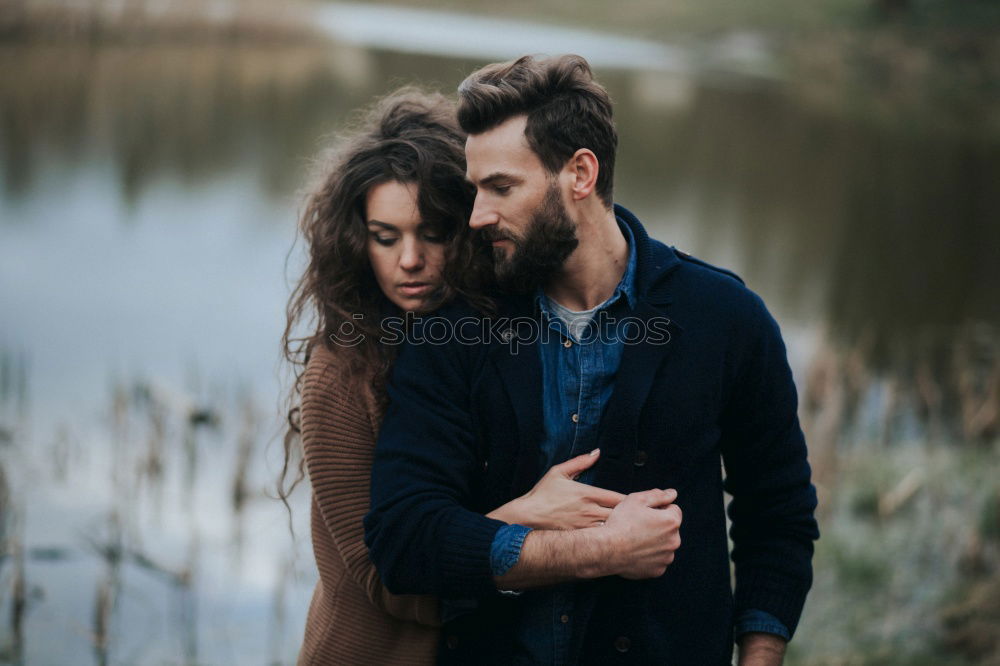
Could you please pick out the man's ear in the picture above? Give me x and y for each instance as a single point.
(582, 169)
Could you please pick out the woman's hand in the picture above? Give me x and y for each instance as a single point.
(559, 502)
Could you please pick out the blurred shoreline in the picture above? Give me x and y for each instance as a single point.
(144, 21)
(926, 66)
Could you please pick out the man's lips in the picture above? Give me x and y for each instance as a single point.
(497, 240)
(497, 237)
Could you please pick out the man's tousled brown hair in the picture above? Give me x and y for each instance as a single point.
(566, 110)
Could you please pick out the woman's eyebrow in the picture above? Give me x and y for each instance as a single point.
(384, 225)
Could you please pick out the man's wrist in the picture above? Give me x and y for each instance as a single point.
(603, 547)
(760, 649)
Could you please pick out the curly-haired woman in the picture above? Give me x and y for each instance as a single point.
(387, 234)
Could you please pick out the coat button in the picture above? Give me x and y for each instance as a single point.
(622, 644)
(452, 642)
(640, 458)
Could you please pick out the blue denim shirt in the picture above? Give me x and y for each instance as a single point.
(578, 374)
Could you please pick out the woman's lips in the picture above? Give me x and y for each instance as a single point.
(414, 289)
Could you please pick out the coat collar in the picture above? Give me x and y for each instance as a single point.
(655, 261)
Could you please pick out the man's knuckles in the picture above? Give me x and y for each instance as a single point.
(673, 516)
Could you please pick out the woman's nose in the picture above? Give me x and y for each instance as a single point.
(412, 258)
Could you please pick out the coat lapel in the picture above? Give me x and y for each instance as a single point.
(618, 434)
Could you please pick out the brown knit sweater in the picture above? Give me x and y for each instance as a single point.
(352, 619)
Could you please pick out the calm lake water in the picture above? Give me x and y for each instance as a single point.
(148, 198)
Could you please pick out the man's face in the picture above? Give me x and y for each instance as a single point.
(519, 207)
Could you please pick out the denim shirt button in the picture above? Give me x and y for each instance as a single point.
(622, 644)
(640, 458)
(564, 619)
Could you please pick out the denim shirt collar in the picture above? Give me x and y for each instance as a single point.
(625, 288)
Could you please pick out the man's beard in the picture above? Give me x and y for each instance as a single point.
(539, 254)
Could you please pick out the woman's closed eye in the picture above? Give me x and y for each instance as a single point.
(383, 239)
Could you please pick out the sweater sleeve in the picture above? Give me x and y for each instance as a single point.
(423, 536)
(338, 443)
(767, 474)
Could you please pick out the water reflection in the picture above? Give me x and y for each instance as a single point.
(187, 112)
(865, 228)
(874, 232)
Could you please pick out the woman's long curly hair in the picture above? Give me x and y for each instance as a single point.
(409, 136)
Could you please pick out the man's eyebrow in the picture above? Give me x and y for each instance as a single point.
(498, 176)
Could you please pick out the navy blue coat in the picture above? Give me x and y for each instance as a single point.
(461, 437)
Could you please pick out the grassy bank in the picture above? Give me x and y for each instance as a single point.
(907, 565)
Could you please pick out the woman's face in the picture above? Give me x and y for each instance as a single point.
(406, 256)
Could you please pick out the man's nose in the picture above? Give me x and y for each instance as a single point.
(412, 258)
(483, 215)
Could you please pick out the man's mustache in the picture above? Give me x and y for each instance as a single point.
(492, 235)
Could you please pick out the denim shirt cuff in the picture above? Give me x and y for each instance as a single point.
(506, 548)
(753, 620)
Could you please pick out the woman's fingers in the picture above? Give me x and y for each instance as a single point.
(601, 513)
(573, 467)
(656, 497)
(600, 496)
(605, 498)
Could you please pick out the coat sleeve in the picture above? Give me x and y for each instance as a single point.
(338, 443)
(423, 537)
(767, 473)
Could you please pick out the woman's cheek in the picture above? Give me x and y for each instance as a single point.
(436, 259)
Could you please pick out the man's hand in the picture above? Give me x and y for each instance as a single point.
(759, 649)
(637, 541)
(645, 531)
(559, 502)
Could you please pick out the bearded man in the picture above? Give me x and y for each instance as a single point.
(609, 340)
